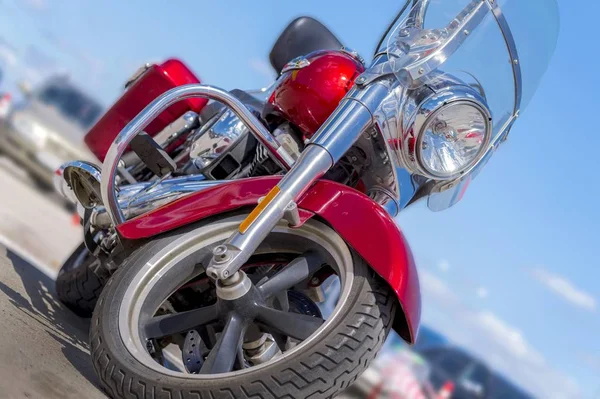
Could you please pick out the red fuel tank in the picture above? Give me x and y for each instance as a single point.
(153, 82)
(307, 94)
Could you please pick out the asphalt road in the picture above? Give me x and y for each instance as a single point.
(43, 346)
(34, 224)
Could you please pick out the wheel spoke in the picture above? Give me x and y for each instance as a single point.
(295, 325)
(223, 355)
(163, 326)
(296, 271)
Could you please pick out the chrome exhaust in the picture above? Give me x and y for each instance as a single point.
(80, 183)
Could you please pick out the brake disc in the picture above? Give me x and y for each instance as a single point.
(194, 352)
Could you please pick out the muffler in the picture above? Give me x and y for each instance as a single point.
(79, 182)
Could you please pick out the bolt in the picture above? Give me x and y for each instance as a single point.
(361, 79)
(466, 32)
(221, 254)
(404, 32)
(516, 62)
(220, 250)
(315, 281)
(421, 71)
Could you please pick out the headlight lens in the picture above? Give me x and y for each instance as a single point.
(453, 138)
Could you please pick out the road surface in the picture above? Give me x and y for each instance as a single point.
(43, 346)
(33, 224)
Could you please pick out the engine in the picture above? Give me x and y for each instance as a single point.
(195, 137)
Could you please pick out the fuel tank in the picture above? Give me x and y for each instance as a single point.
(147, 84)
(311, 87)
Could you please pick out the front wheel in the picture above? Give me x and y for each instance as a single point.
(313, 319)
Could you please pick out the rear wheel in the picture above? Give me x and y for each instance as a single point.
(160, 330)
(80, 282)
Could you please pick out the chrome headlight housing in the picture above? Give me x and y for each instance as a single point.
(447, 134)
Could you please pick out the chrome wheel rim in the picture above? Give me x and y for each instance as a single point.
(180, 258)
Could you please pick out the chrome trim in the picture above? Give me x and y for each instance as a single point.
(137, 199)
(428, 49)
(212, 140)
(427, 109)
(416, 16)
(180, 127)
(143, 119)
(79, 182)
(334, 138)
(353, 53)
(295, 64)
(312, 164)
(512, 50)
(351, 119)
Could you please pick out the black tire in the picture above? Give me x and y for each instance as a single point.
(323, 367)
(80, 282)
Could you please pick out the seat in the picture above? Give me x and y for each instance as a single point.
(302, 36)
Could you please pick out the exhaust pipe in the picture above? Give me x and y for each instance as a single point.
(79, 182)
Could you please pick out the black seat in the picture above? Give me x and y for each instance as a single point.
(302, 36)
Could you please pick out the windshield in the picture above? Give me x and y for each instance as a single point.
(71, 103)
(471, 40)
(500, 48)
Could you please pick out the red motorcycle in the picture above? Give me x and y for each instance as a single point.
(246, 246)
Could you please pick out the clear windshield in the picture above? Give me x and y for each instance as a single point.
(466, 39)
(501, 48)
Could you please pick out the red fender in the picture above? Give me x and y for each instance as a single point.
(360, 221)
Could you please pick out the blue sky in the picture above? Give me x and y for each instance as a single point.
(511, 272)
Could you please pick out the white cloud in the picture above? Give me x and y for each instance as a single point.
(444, 265)
(262, 67)
(8, 55)
(506, 349)
(565, 289)
(33, 76)
(501, 345)
(37, 5)
(482, 292)
(509, 337)
(435, 288)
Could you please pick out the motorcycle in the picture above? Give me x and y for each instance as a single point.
(247, 245)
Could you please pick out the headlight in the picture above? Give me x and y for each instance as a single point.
(450, 133)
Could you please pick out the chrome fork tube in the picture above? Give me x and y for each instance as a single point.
(342, 129)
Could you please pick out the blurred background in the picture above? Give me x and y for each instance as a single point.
(509, 276)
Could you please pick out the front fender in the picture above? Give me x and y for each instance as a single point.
(360, 221)
(373, 233)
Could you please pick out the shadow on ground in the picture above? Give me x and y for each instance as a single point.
(42, 306)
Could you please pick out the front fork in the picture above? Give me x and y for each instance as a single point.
(337, 135)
